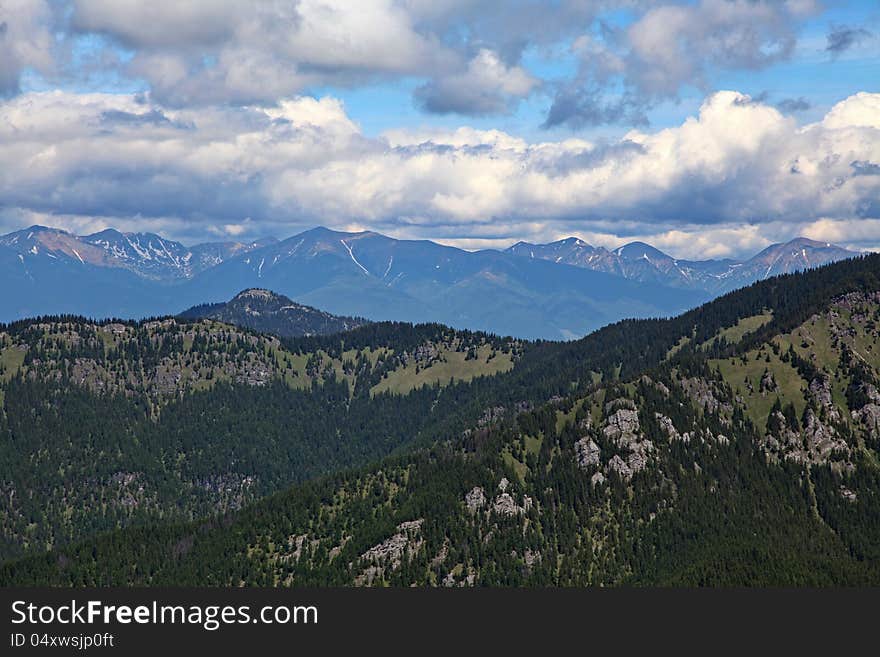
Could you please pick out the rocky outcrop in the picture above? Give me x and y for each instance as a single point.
(390, 553)
(622, 427)
(815, 443)
(648, 381)
(822, 440)
(475, 499)
(869, 416)
(768, 383)
(450, 580)
(618, 465)
(819, 392)
(491, 415)
(703, 394)
(869, 413)
(531, 558)
(587, 453)
(669, 429)
(505, 505)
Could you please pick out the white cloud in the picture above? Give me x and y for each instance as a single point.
(734, 176)
(461, 56)
(860, 110)
(25, 40)
(207, 52)
(670, 46)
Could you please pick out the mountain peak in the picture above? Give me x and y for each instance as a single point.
(575, 242)
(805, 242)
(269, 312)
(107, 233)
(258, 293)
(640, 250)
(37, 228)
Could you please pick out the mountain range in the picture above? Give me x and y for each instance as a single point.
(643, 262)
(733, 445)
(561, 290)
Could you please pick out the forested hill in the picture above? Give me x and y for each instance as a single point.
(735, 444)
(111, 424)
(268, 312)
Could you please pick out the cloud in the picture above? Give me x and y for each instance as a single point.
(841, 38)
(486, 86)
(466, 52)
(25, 41)
(202, 52)
(859, 110)
(671, 46)
(468, 57)
(576, 107)
(120, 160)
(792, 105)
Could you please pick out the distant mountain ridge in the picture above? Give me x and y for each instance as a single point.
(267, 312)
(643, 262)
(148, 255)
(370, 275)
(560, 291)
(110, 274)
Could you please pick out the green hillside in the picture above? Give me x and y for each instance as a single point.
(106, 425)
(747, 456)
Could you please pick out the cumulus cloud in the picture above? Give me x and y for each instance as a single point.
(670, 46)
(25, 41)
(464, 56)
(274, 169)
(243, 52)
(255, 52)
(486, 86)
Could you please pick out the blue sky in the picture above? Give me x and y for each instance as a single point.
(811, 73)
(474, 123)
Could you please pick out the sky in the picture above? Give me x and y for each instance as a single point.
(709, 128)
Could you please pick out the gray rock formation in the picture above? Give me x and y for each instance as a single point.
(506, 506)
(586, 452)
(389, 554)
(475, 499)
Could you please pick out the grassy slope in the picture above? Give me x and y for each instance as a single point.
(453, 366)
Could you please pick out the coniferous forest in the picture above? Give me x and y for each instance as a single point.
(737, 444)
